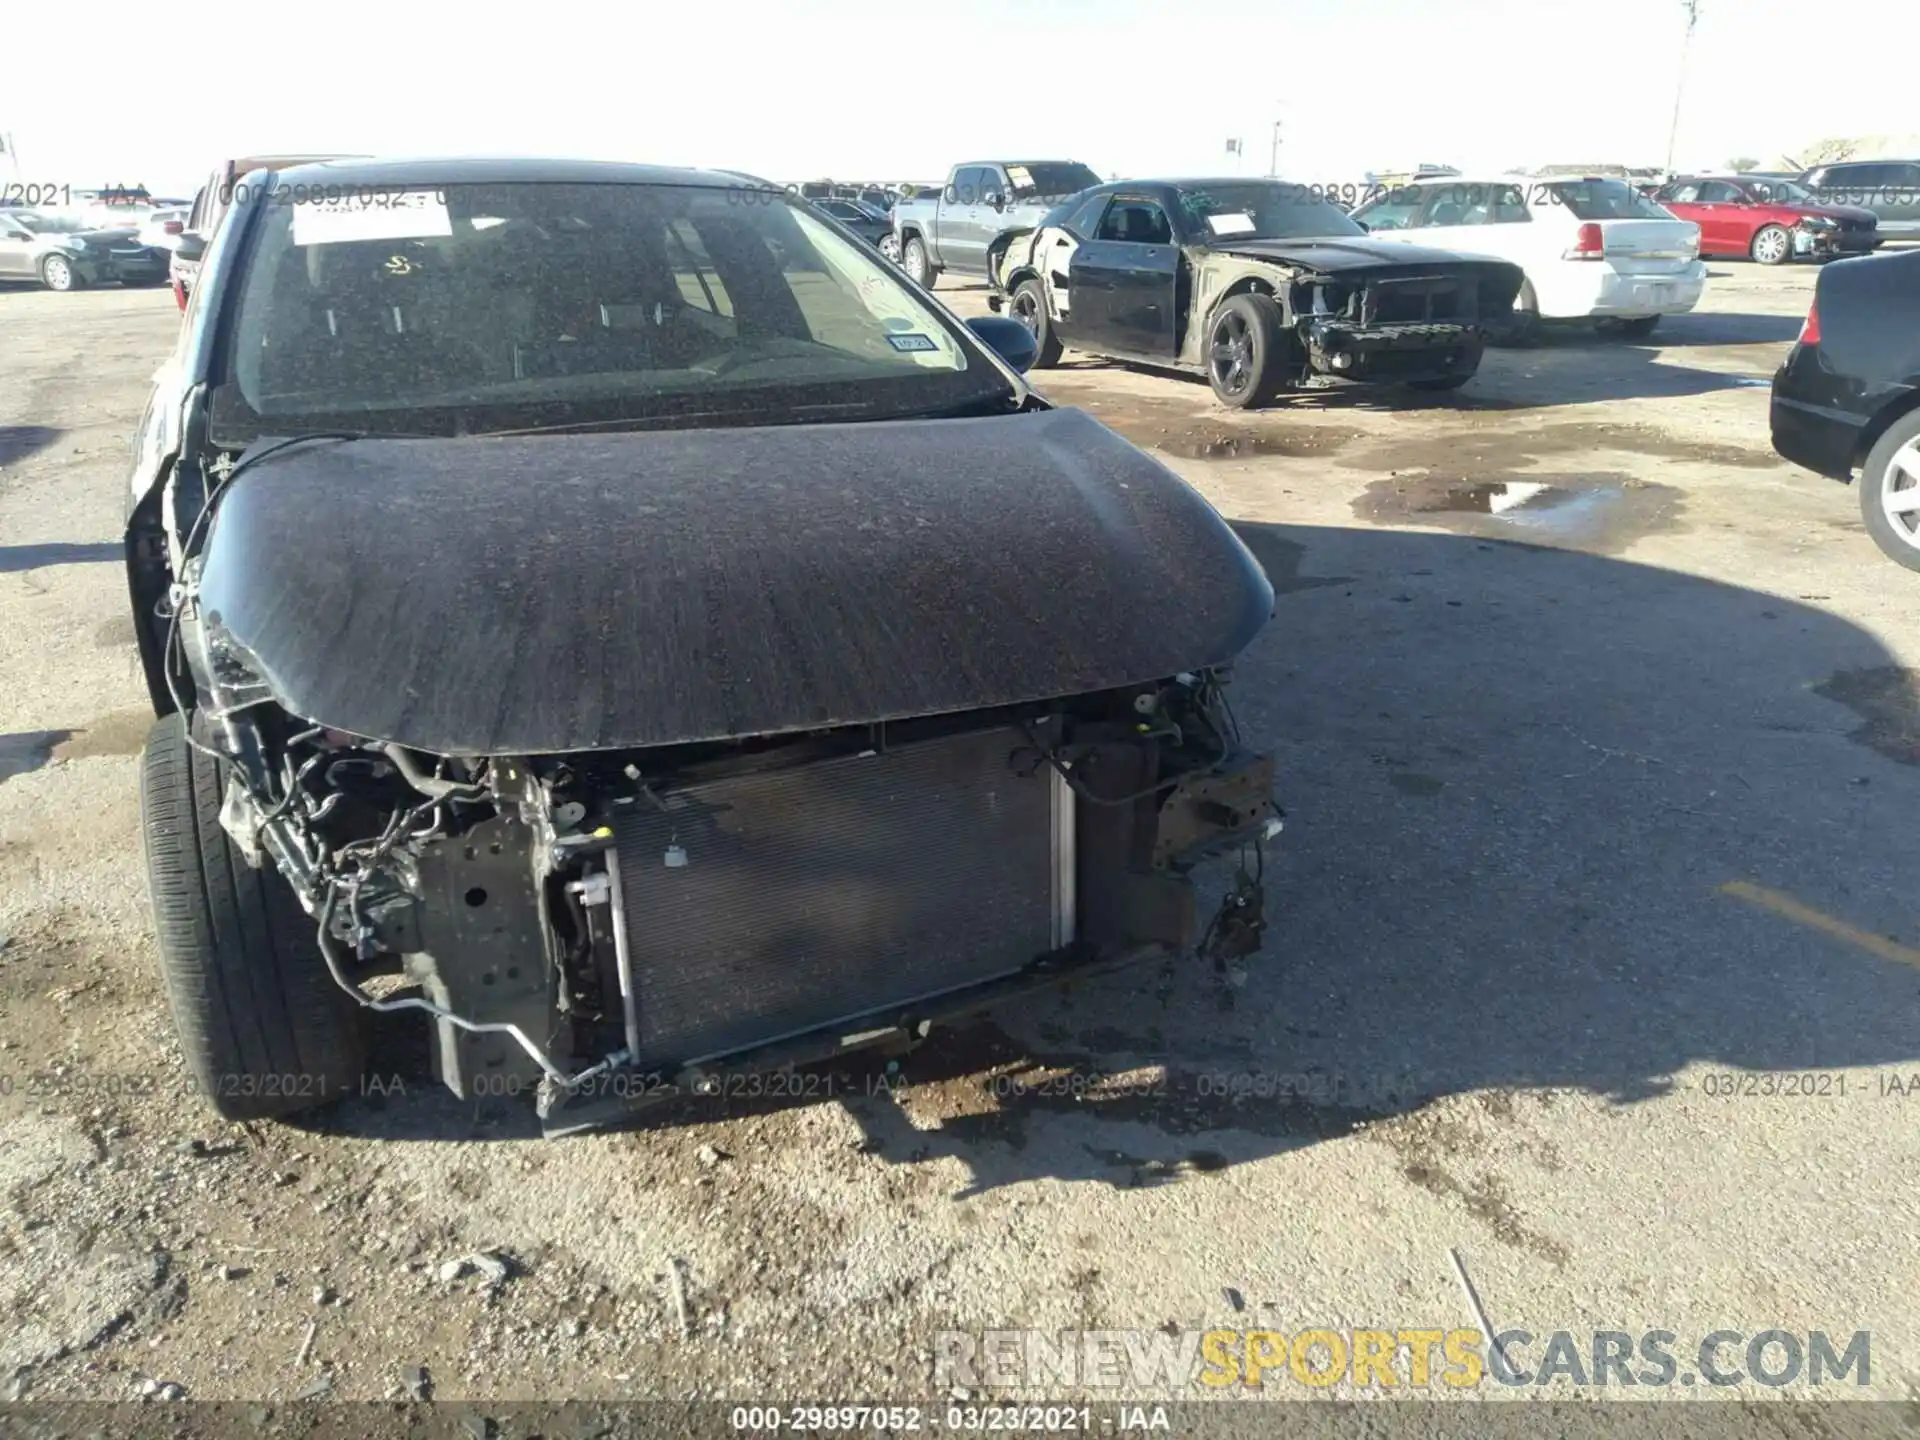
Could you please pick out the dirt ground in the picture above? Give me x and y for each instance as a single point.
(1600, 801)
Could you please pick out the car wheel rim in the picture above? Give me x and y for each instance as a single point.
(58, 275)
(916, 261)
(1231, 356)
(1027, 312)
(890, 247)
(1900, 493)
(1772, 245)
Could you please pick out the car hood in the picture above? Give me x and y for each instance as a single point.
(1334, 255)
(1837, 212)
(544, 594)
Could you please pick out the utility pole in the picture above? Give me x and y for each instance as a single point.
(1273, 165)
(1680, 86)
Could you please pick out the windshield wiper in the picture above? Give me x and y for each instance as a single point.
(979, 405)
(787, 415)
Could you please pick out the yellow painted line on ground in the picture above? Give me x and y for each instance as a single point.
(1792, 909)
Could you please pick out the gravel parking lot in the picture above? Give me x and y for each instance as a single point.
(1600, 800)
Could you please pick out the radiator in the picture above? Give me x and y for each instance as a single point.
(763, 906)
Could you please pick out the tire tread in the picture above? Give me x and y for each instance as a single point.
(249, 996)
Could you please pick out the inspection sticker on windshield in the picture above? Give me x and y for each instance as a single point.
(392, 215)
(912, 342)
(1237, 223)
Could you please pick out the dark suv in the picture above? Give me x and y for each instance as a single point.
(1889, 188)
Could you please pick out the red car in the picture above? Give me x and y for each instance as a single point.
(1770, 220)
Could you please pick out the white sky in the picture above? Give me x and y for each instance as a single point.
(890, 89)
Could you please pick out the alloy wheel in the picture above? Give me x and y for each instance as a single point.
(1230, 354)
(1900, 493)
(1770, 246)
(57, 272)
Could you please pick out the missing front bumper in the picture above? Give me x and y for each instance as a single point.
(1393, 352)
(622, 1096)
(709, 1006)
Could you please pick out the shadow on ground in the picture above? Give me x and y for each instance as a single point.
(1517, 778)
(1567, 365)
(25, 751)
(15, 558)
(17, 442)
(1720, 328)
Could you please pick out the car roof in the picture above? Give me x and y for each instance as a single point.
(1181, 182)
(480, 170)
(1477, 178)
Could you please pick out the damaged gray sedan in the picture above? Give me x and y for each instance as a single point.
(645, 637)
(1260, 285)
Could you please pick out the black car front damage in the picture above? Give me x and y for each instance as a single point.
(713, 797)
(1425, 324)
(1372, 310)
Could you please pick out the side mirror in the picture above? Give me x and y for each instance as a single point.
(1008, 339)
(192, 246)
(996, 200)
(1364, 225)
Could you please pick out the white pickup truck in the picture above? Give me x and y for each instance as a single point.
(985, 203)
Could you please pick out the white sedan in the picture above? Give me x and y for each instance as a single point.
(161, 228)
(1592, 248)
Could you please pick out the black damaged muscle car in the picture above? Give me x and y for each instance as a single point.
(1258, 284)
(645, 636)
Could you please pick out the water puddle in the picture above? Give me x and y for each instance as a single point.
(123, 732)
(1600, 512)
(1293, 443)
(1887, 700)
(1281, 557)
(1483, 449)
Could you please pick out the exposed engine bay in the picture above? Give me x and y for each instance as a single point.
(605, 927)
(618, 806)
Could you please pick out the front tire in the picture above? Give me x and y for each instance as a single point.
(1029, 307)
(1771, 245)
(1247, 351)
(1890, 492)
(890, 247)
(264, 1029)
(57, 273)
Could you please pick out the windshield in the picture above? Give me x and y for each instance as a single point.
(1606, 200)
(501, 306)
(1049, 177)
(1263, 210)
(43, 224)
(1782, 192)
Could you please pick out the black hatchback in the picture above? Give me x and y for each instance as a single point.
(1848, 396)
